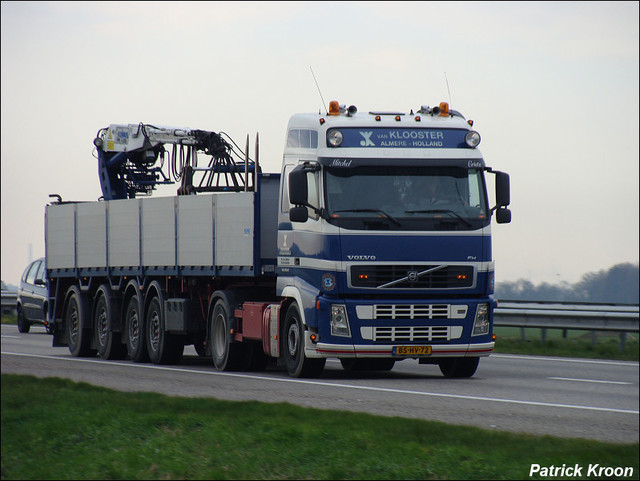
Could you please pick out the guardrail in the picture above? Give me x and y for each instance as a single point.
(529, 314)
(578, 316)
(9, 301)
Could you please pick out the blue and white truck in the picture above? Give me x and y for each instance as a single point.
(373, 245)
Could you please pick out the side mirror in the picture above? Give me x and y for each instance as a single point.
(298, 214)
(503, 195)
(503, 216)
(298, 190)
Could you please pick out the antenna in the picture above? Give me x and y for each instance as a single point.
(321, 98)
(449, 91)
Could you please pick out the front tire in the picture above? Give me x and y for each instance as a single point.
(457, 367)
(367, 364)
(298, 365)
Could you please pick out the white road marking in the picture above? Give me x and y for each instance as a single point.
(588, 380)
(566, 359)
(330, 384)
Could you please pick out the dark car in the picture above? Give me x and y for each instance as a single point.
(33, 297)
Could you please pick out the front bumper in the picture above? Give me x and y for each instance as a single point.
(326, 350)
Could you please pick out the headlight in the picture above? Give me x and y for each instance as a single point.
(334, 137)
(481, 323)
(339, 321)
(472, 139)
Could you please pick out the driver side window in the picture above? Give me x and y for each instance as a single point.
(314, 193)
(313, 190)
(285, 206)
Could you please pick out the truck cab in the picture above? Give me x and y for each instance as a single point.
(384, 238)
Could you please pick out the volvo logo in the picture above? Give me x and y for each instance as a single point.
(412, 276)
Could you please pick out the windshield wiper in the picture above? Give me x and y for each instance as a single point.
(440, 211)
(377, 211)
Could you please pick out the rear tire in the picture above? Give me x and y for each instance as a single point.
(457, 367)
(23, 325)
(163, 347)
(76, 320)
(108, 342)
(227, 355)
(298, 365)
(134, 331)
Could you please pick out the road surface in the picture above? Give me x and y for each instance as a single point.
(575, 398)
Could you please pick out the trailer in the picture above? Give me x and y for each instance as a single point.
(372, 245)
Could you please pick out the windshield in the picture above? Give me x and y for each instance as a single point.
(406, 198)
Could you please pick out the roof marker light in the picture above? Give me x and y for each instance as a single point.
(378, 118)
(418, 118)
(398, 118)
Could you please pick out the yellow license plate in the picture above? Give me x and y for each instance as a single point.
(408, 351)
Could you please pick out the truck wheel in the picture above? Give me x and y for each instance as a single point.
(23, 325)
(134, 331)
(163, 347)
(108, 342)
(459, 366)
(76, 319)
(367, 364)
(298, 365)
(227, 355)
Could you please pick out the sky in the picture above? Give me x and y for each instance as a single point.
(551, 86)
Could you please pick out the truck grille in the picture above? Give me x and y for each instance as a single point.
(381, 276)
(411, 311)
(411, 333)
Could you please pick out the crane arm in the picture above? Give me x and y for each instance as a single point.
(131, 160)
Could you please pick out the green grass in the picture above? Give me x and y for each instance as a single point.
(9, 318)
(59, 429)
(576, 344)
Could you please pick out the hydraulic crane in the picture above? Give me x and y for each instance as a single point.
(131, 161)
